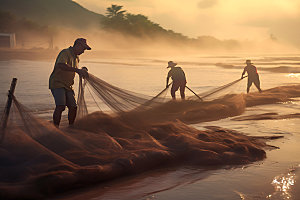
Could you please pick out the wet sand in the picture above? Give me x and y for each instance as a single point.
(50, 161)
(103, 147)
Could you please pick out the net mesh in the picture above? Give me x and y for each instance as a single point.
(117, 99)
(121, 100)
(23, 118)
(102, 146)
(217, 92)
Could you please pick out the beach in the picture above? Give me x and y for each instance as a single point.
(268, 121)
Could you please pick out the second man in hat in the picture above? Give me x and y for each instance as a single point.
(179, 80)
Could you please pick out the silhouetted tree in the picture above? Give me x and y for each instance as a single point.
(115, 11)
(136, 25)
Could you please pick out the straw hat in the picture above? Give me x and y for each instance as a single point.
(171, 64)
(248, 62)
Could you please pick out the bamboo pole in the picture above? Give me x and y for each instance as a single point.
(149, 101)
(194, 93)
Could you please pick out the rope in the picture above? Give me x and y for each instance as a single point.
(93, 97)
(223, 87)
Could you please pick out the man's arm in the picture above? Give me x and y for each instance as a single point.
(184, 75)
(167, 81)
(243, 73)
(169, 75)
(66, 67)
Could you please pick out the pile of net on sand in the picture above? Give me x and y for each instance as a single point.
(39, 160)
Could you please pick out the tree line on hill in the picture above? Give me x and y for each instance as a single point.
(116, 19)
(139, 25)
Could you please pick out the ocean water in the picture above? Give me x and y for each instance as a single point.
(276, 177)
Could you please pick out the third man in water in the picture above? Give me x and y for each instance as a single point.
(179, 80)
(252, 76)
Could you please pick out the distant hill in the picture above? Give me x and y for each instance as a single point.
(44, 18)
(52, 12)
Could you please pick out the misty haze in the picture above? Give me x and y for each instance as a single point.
(149, 99)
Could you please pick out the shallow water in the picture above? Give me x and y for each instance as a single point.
(276, 177)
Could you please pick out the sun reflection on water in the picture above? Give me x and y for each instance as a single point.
(283, 185)
(293, 75)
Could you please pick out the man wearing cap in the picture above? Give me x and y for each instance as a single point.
(252, 76)
(62, 79)
(179, 80)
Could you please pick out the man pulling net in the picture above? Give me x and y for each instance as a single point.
(179, 80)
(253, 76)
(62, 79)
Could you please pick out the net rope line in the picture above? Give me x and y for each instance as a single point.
(93, 97)
(211, 92)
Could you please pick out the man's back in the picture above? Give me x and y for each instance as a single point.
(251, 70)
(177, 74)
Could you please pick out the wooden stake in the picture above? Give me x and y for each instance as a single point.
(9, 102)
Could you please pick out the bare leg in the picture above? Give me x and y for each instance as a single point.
(182, 88)
(173, 90)
(72, 114)
(249, 84)
(257, 85)
(173, 95)
(57, 115)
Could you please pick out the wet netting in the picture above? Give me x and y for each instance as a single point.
(39, 160)
(218, 92)
(117, 99)
(122, 100)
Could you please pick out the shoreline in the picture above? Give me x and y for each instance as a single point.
(41, 54)
(27, 54)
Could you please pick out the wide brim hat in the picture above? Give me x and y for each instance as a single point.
(248, 62)
(171, 64)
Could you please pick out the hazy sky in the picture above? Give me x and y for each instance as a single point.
(224, 19)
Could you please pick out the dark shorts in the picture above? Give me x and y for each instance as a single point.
(64, 97)
(176, 85)
(254, 80)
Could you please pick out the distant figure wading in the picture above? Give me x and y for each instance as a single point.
(62, 79)
(179, 80)
(252, 76)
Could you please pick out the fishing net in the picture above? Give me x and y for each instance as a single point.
(122, 100)
(21, 117)
(37, 158)
(218, 91)
(117, 99)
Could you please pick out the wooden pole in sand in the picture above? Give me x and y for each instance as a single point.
(149, 101)
(9, 102)
(194, 93)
